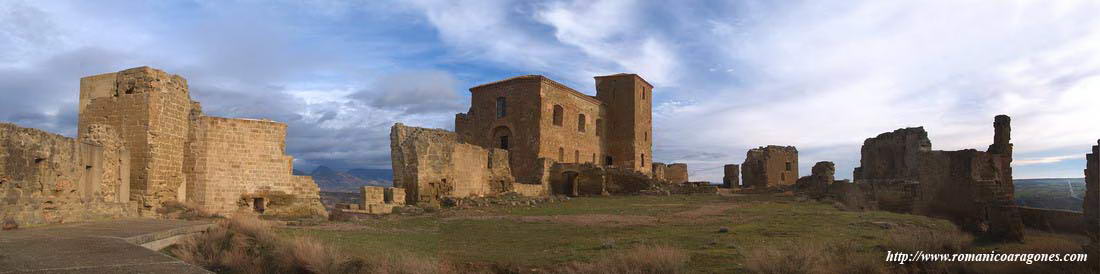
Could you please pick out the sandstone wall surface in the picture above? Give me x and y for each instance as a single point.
(1053, 220)
(770, 166)
(151, 110)
(47, 178)
(236, 160)
(677, 173)
(431, 164)
(731, 176)
(973, 188)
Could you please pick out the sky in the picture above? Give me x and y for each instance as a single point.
(729, 75)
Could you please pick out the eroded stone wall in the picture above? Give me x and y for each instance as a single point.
(239, 160)
(1092, 203)
(431, 164)
(150, 109)
(47, 178)
(660, 171)
(731, 176)
(821, 176)
(770, 166)
(972, 188)
(677, 173)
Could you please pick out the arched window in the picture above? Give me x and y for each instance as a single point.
(580, 122)
(558, 113)
(599, 126)
(561, 155)
(502, 107)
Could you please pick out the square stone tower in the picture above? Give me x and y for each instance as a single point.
(628, 101)
(151, 111)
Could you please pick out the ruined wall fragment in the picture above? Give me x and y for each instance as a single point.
(731, 176)
(821, 176)
(770, 166)
(47, 178)
(660, 171)
(973, 188)
(431, 164)
(677, 173)
(1092, 203)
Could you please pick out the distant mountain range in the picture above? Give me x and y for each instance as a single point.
(1054, 193)
(329, 179)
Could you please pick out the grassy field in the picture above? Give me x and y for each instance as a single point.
(542, 236)
(1062, 193)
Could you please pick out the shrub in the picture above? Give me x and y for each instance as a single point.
(248, 245)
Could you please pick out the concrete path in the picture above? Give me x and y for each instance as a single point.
(118, 246)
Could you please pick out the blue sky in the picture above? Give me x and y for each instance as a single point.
(729, 75)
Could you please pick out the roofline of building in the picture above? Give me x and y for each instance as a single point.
(543, 79)
(626, 74)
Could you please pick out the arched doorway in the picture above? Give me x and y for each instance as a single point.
(502, 137)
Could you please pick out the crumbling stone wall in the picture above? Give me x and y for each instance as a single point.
(534, 118)
(972, 188)
(239, 160)
(659, 172)
(1092, 203)
(179, 154)
(431, 164)
(47, 178)
(770, 166)
(731, 176)
(677, 173)
(821, 176)
(1053, 220)
(150, 109)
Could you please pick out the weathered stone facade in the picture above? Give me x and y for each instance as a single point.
(770, 166)
(431, 164)
(534, 117)
(179, 154)
(1092, 203)
(47, 178)
(821, 176)
(677, 173)
(731, 176)
(659, 172)
(234, 163)
(900, 172)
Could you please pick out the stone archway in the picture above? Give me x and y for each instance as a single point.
(502, 138)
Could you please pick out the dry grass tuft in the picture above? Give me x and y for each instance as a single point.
(814, 258)
(184, 211)
(640, 260)
(248, 245)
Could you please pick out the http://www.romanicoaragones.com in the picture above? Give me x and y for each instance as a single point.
(993, 256)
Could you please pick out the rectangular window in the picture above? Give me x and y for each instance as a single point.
(502, 107)
(788, 166)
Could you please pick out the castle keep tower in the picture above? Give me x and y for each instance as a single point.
(150, 109)
(628, 110)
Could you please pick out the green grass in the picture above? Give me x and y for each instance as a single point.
(502, 235)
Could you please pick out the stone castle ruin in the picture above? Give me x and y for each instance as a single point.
(143, 141)
(731, 176)
(530, 135)
(900, 172)
(1092, 203)
(770, 166)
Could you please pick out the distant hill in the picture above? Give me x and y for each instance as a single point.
(1054, 193)
(329, 179)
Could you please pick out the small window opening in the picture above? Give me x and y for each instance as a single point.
(558, 115)
(258, 205)
(580, 122)
(502, 107)
(788, 166)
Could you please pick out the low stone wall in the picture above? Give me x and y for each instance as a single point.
(677, 173)
(47, 178)
(1063, 221)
